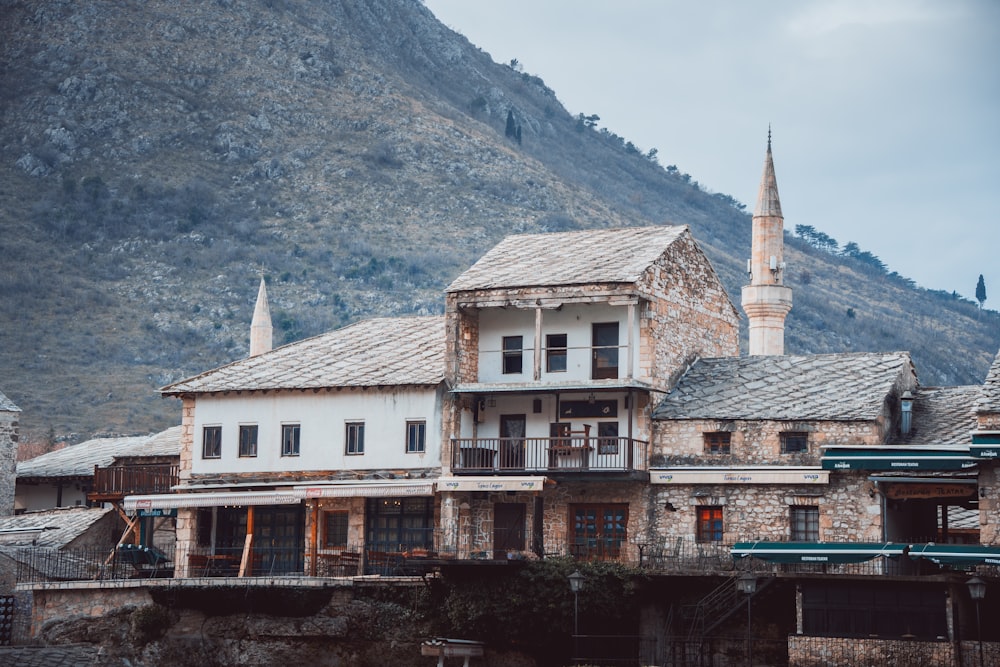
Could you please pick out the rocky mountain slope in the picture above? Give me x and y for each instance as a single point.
(156, 157)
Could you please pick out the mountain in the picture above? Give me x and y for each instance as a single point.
(156, 157)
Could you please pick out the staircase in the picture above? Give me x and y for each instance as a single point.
(718, 606)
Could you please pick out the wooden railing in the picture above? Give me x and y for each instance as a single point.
(563, 454)
(115, 482)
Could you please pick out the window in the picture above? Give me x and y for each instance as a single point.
(717, 442)
(605, 356)
(709, 527)
(598, 531)
(355, 438)
(512, 354)
(555, 353)
(248, 440)
(334, 529)
(794, 441)
(607, 437)
(211, 442)
(416, 437)
(805, 523)
(290, 435)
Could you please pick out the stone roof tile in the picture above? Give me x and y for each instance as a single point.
(569, 258)
(7, 405)
(807, 387)
(79, 460)
(58, 526)
(942, 416)
(375, 352)
(989, 395)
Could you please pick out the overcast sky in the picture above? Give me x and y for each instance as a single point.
(885, 115)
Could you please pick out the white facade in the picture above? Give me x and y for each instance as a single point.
(323, 418)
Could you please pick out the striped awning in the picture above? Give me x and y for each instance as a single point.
(816, 552)
(213, 499)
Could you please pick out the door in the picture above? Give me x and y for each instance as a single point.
(605, 350)
(508, 529)
(512, 441)
(278, 541)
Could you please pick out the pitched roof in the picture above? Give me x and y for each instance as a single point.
(370, 353)
(79, 460)
(7, 405)
(53, 528)
(989, 395)
(569, 258)
(942, 416)
(808, 387)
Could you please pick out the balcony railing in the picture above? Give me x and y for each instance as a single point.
(115, 482)
(563, 454)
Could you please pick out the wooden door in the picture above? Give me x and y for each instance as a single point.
(508, 529)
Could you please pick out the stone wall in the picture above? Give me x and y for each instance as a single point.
(8, 460)
(804, 651)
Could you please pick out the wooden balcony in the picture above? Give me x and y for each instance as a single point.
(560, 455)
(116, 482)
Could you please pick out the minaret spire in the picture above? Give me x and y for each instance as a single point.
(766, 299)
(260, 327)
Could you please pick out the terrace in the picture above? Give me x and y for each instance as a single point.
(574, 454)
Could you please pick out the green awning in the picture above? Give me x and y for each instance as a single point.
(901, 459)
(816, 552)
(956, 554)
(985, 445)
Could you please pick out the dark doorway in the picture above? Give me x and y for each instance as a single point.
(508, 529)
(278, 540)
(512, 441)
(605, 350)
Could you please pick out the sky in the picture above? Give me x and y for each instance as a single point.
(885, 115)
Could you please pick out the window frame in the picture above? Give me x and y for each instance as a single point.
(354, 438)
(510, 355)
(335, 515)
(215, 442)
(556, 354)
(293, 447)
(718, 442)
(710, 523)
(607, 437)
(420, 426)
(794, 437)
(803, 523)
(248, 447)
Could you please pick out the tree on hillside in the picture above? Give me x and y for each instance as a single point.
(981, 291)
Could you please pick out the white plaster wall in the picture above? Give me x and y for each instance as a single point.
(323, 417)
(32, 497)
(573, 320)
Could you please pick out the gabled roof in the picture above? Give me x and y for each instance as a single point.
(371, 353)
(53, 528)
(569, 258)
(989, 395)
(942, 416)
(7, 405)
(807, 387)
(79, 460)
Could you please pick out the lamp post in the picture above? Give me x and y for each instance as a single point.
(576, 585)
(977, 591)
(746, 583)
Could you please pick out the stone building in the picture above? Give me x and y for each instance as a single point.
(9, 416)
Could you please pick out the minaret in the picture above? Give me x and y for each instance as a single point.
(766, 299)
(260, 327)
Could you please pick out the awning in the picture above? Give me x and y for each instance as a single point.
(985, 444)
(956, 554)
(883, 458)
(491, 484)
(816, 552)
(387, 489)
(218, 499)
(736, 475)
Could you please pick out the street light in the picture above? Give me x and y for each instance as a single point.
(746, 583)
(977, 591)
(576, 585)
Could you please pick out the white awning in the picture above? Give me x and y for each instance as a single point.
(734, 475)
(387, 489)
(491, 484)
(216, 499)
